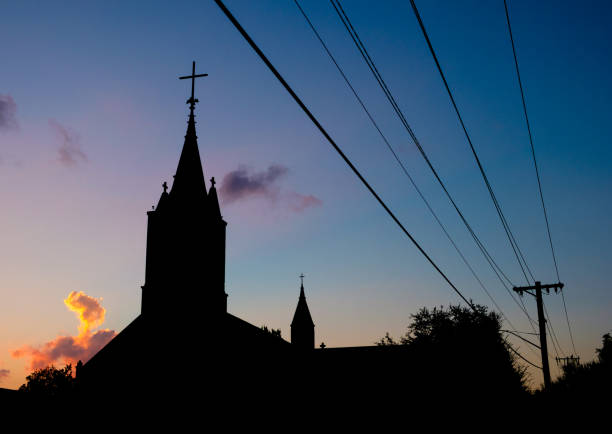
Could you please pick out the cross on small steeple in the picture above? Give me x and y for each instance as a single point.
(192, 101)
(212, 181)
(165, 186)
(302, 278)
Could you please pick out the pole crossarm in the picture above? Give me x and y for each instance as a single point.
(568, 361)
(556, 286)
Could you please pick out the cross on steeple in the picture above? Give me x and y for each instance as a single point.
(192, 101)
(302, 278)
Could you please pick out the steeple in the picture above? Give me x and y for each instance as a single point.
(189, 176)
(302, 326)
(186, 239)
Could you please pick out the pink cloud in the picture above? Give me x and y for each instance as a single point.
(299, 202)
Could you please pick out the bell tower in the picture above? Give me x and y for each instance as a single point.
(185, 260)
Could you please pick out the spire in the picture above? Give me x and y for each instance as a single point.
(302, 318)
(189, 175)
(302, 287)
(302, 326)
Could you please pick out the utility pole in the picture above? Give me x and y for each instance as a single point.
(538, 287)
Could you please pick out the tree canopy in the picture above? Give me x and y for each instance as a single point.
(463, 347)
(50, 381)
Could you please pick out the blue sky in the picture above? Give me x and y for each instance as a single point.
(106, 72)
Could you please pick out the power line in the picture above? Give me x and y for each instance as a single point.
(510, 347)
(517, 251)
(279, 77)
(568, 322)
(551, 331)
(524, 333)
(297, 99)
(535, 164)
(372, 66)
(399, 161)
(374, 123)
(520, 337)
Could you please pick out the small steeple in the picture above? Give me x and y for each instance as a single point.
(302, 326)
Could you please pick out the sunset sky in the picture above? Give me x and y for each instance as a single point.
(92, 119)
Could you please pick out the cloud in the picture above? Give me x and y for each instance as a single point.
(89, 310)
(299, 202)
(4, 373)
(243, 183)
(70, 152)
(70, 349)
(8, 113)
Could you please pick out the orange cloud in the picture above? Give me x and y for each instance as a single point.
(70, 349)
(89, 310)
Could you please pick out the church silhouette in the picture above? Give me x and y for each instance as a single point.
(185, 266)
(184, 325)
(185, 343)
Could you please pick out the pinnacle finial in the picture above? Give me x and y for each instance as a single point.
(165, 186)
(212, 181)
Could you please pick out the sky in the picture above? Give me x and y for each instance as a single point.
(92, 119)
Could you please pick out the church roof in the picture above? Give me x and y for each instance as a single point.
(302, 313)
(138, 342)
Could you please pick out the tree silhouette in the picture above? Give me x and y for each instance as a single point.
(587, 381)
(605, 352)
(273, 332)
(50, 381)
(463, 347)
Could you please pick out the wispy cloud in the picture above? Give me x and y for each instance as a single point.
(8, 113)
(70, 349)
(244, 183)
(298, 202)
(70, 152)
(4, 373)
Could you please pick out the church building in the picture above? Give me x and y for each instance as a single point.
(185, 266)
(185, 340)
